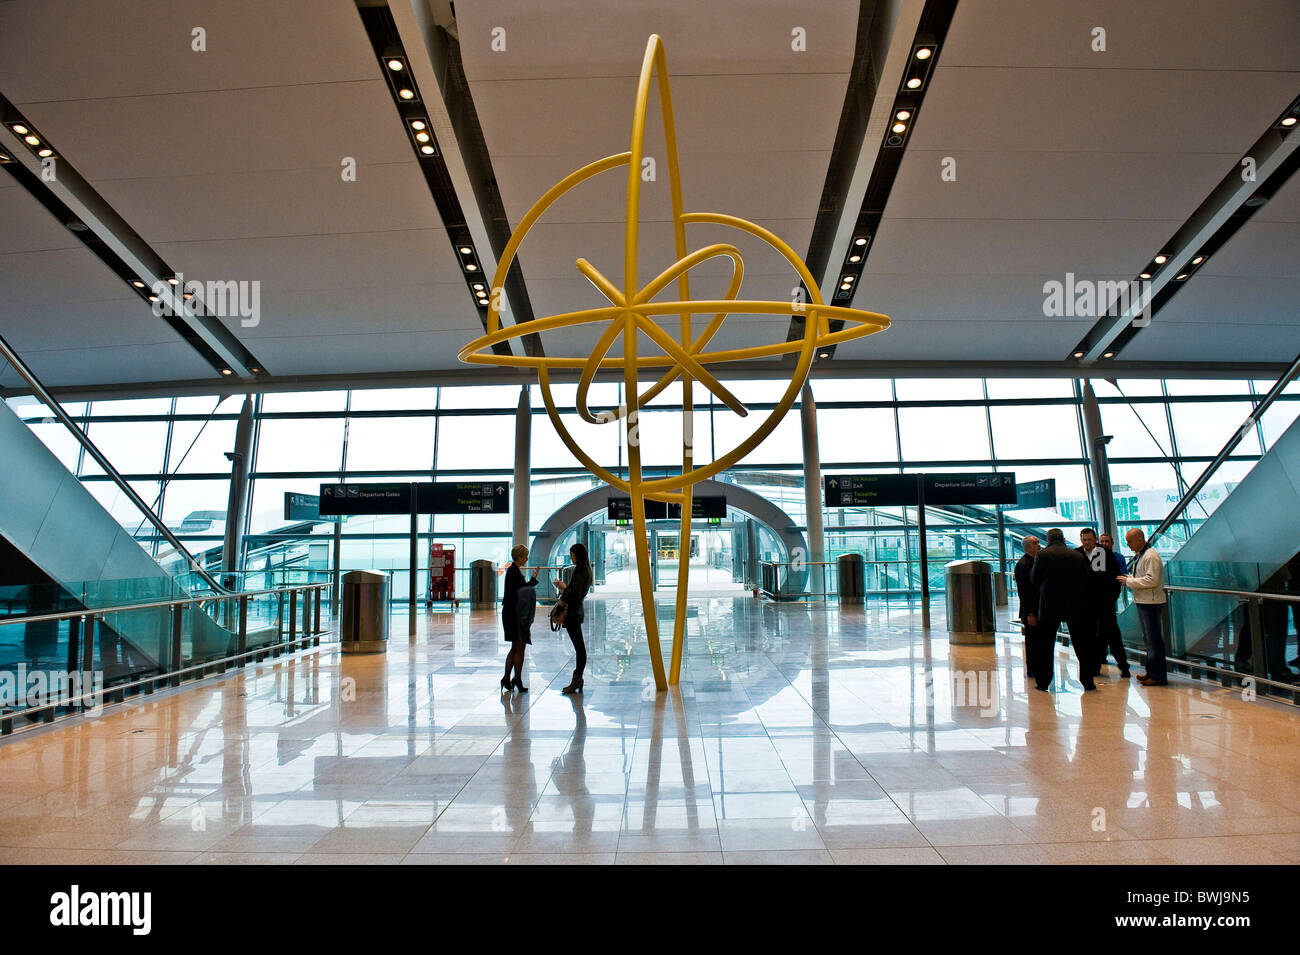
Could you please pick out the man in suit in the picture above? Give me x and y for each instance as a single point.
(1099, 602)
(1061, 576)
(1028, 599)
(1108, 542)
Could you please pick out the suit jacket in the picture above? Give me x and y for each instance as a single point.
(1061, 576)
(525, 611)
(1025, 588)
(1119, 559)
(514, 581)
(1103, 588)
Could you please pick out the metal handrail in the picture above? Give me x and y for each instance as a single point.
(1246, 594)
(40, 391)
(125, 608)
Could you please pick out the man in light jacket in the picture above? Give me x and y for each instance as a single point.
(1148, 585)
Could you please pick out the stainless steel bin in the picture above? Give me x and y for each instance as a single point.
(482, 585)
(970, 602)
(852, 581)
(364, 624)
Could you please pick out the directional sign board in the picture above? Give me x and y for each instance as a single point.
(301, 507)
(364, 499)
(463, 497)
(620, 509)
(895, 490)
(454, 497)
(703, 507)
(1036, 494)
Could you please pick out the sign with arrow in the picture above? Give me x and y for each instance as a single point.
(452, 497)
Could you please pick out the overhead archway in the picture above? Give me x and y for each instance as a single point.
(755, 505)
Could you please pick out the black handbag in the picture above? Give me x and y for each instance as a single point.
(559, 613)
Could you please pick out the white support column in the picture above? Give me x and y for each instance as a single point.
(523, 455)
(812, 489)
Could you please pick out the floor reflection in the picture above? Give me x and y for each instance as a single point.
(798, 733)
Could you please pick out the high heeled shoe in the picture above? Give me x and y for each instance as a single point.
(505, 683)
(519, 685)
(575, 685)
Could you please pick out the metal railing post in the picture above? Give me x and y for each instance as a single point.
(178, 626)
(1259, 663)
(241, 638)
(317, 631)
(293, 617)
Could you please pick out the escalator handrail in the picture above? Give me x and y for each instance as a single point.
(44, 395)
(155, 604)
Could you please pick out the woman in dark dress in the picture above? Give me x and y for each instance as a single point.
(573, 595)
(510, 620)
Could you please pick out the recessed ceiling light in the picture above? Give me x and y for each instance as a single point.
(406, 94)
(417, 124)
(1198, 260)
(225, 371)
(1161, 259)
(1289, 121)
(153, 298)
(427, 150)
(1180, 277)
(188, 296)
(903, 114)
(1078, 354)
(45, 153)
(471, 267)
(846, 286)
(20, 129)
(1109, 354)
(76, 226)
(847, 278)
(465, 250)
(478, 286)
(394, 65)
(255, 370)
(825, 354)
(855, 258)
(923, 53)
(1144, 275)
(32, 140)
(137, 283)
(171, 281)
(913, 83)
(421, 137)
(860, 240)
(900, 127)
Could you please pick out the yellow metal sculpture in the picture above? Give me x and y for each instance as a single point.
(632, 312)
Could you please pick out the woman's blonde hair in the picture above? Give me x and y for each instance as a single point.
(519, 553)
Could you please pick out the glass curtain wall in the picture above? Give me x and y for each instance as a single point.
(172, 450)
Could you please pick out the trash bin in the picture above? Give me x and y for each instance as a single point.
(852, 581)
(364, 627)
(970, 602)
(999, 589)
(482, 585)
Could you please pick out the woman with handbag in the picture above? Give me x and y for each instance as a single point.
(510, 618)
(571, 597)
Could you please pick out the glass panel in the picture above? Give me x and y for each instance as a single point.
(1188, 386)
(856, 434)
(132, 406)
(61, 442)
(934, 434)
(938, 389)
(853, 389)
(300, 444)
(196, 507)
(1030, 388)
(1279, 416)
(783, 446)
(481, 396)
(1203, 428)
(206, 404)
(393, 399)
(472, 443)
(1144, 493)
(267, 503)
(1036, 431)
(1129, 439)
(304, 401)
(132, 447)
(201, 446)
(390, 443)
(601, 441)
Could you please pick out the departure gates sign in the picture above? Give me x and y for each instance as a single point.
(452, 497)
(896, 490)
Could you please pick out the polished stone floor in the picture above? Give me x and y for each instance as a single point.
(797, 735)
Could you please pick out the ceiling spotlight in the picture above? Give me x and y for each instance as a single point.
(45, 153)
(855, 258)
(860, 240)
(20, 129)
(1289, 121)
(900, 127)
(1144, 275)
(471, 267)
(225, 371)
(923, 53)
(1180, 277)
(1078, 354)
(404, 93)
(427, 150)
(188, 295)
(417, 124)
(153, 298)
(137, 283)
(1109, 354)
(465, 250)
(1161, 259)
(31, 140)
(1198, 260)
(846, 286)
(76, 226)
(394, 65)
(1254, 202)
(255, 370)
(421, 137)
(847, 278)
(903, 114)
(171, 281)
(914, 83)
(478, 286)
(824, 354)
(4, 157)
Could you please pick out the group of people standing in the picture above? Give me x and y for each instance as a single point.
(519, 608)
(1079, 587)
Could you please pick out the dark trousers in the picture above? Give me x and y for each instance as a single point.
(1151, 616)
(1079, 639)
(1108, 638)
(574, 629)
(1040, 648)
